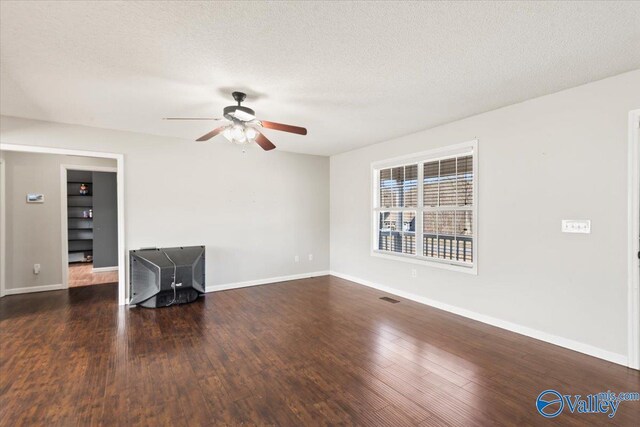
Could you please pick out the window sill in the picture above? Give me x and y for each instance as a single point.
(427, 262)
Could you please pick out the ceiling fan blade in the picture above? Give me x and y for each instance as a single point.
(191, 118)
(211, 134)
(283, 127)
(263, 142)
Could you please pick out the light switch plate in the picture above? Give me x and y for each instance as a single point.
(576, 226)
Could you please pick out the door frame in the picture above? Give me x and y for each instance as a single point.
(633, 233)
(122, 258)
(3, 212)
(64, 223)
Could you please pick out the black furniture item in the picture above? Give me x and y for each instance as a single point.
(160, 277)
(80, 216)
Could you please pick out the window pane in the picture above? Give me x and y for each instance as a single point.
(397, 178)
(446, 223)
(409, 243)
(390, 221)
(384, 241)
(409, 221)
(447, 196)
(465, 180)
(383, 233)
(448, 235)
(446, 231)
(390, 232)
(399, 187)
(447, 182)
(411, 186)
(464, 223)
(429, 241)
(464, 233)
(431, 177)
(409, 233)
(397, 232)
(390, 187)
(385, 188)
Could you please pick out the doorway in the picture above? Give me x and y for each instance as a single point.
(13, 286)
(89, 202)
(634, 241)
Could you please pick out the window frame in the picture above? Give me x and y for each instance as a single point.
(441, 153)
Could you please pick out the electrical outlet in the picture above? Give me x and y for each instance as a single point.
(414, 272)
(36, 268)
(310, 257)
(296, 258)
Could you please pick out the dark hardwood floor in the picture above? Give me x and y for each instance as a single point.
(321, 351)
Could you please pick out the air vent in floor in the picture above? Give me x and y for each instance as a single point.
(391, 300)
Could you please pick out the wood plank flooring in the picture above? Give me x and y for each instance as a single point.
(81, 274)
(321, 351)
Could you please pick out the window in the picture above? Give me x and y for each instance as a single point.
(425, 209)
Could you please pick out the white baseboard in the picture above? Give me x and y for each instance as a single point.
(217, 288)
(29, 289)
(620, 359)
(104, 269)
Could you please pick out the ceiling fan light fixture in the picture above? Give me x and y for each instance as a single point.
(237, 132)
(250, 133)
(227, 134)
(242, 126)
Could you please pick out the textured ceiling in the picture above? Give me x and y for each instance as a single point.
(353, 73)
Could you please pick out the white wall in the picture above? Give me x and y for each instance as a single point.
(33, 233)
(554, 157)
(254, 211)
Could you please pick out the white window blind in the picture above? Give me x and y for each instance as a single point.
(424, 209)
